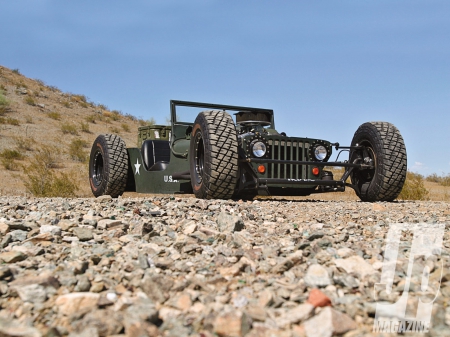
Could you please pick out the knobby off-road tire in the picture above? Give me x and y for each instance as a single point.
(108, 166)
(213, 155)
(386, 148)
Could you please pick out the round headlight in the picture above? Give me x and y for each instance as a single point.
(259, 149)
(320, 152)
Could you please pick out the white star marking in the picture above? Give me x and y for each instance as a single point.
(137, 166)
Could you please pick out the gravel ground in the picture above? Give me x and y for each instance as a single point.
(165, 266)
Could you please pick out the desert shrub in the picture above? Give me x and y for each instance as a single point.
(443, 180)
(107, 114)
(102, 106)
(446, 181)
(142, 122)
(30, 101)
(54, 115)
(114, 130)
(131, 117)
(48, 156)
(10, 164)
(44, 182)
(79, 98)
(29, 119)
(91, 119)
(9, 157)
(414, 188)
(76, 150)
(68, 128)
(84, 127)
(9, 120)
(40, 82)
(125, 127)
(4, 103)
(66, 104)
(11, 154)
(16, 71)
(434, 178)
(24, 143)
(115, 115)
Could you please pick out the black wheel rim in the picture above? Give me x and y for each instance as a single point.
(199, 159)
(363, 178)
(97, 168)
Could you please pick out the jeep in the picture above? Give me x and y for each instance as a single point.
(218, 157)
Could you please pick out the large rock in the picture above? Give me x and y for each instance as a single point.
(355, 265)
(229, 223)
(317, 276)
(12, 256)
(232, 324)
(329, 322)
(72, 303)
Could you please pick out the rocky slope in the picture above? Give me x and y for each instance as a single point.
(165, 266)
(42, 115)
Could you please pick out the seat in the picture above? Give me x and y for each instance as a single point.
(156, 154)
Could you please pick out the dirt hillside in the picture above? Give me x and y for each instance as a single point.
(41, 115)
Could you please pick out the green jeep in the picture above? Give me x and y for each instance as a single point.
(215, 156)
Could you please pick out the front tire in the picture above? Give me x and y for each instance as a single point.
(213, 155)
(385, 148)
(108, 166)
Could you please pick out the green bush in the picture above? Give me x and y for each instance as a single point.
(54, 115)
(9, 157)
(10, 164)
(9, 120)
(414, 188)
(4, 103)
(30, 101)
(68, 128)
(76, 150)
(84, 127)
(11, 154)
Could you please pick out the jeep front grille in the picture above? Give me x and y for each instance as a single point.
(287, 149)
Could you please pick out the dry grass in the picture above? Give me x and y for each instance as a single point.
(44, 129)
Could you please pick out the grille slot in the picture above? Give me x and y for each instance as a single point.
(287, 149)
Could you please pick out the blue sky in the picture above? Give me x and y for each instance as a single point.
(325, 67)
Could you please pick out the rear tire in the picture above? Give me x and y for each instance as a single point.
(213, 155)
(108, 166)
(386, 149)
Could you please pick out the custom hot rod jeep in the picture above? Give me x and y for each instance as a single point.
(216, 157)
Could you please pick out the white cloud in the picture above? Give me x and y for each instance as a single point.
(418, 167)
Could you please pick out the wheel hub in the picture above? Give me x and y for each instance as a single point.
(97, 172)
